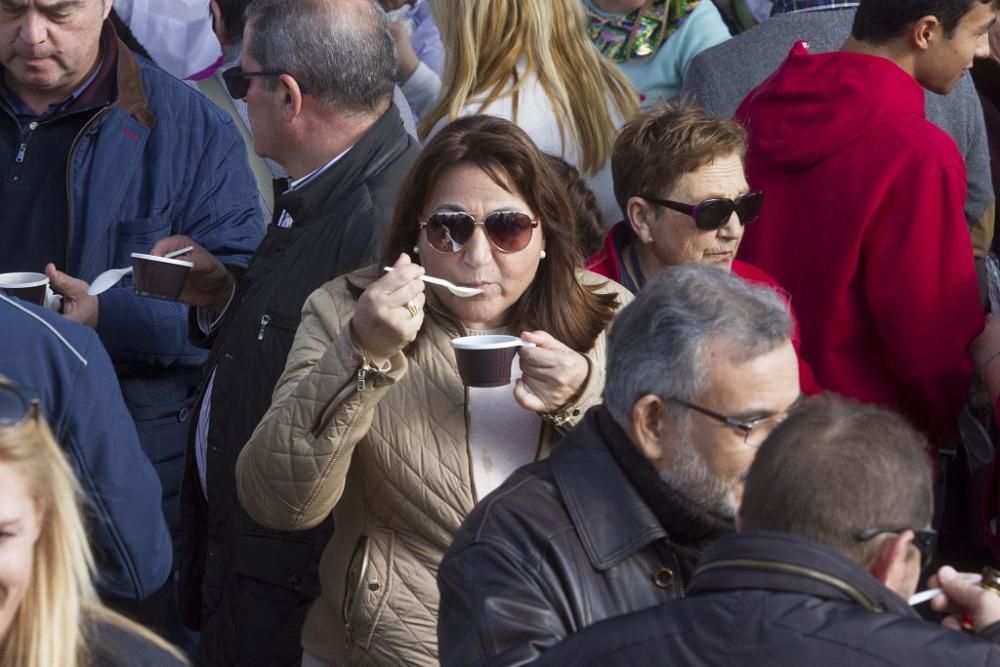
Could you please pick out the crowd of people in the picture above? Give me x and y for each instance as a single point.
(743, 248)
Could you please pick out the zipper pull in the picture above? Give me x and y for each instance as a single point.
(264, 321)
(22, 149)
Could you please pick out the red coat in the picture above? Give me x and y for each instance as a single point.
(863, 224)
(605, 262)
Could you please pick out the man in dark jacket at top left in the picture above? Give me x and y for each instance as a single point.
(326, 115)
(102, 154)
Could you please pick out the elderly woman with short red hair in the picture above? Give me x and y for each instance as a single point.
(679, 180)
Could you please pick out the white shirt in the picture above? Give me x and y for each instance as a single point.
(503, 436)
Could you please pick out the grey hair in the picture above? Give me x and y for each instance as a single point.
(657, 344)
(341, 52)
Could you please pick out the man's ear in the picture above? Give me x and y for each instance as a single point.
(640, 215)
(108, 6)
(218, 27)
(925, 31)
(890, 562)
(292, 102)
(648, 424)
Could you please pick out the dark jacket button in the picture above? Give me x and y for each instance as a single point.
(184, 414)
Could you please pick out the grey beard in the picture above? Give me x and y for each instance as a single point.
(690, 476)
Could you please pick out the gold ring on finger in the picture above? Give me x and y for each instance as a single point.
(412, 307)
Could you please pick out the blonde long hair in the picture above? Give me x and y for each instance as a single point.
(486, 39)
(52, 625)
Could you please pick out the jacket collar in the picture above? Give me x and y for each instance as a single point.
(131, 90)
(611, 519)
(786, 563)
(381, 144)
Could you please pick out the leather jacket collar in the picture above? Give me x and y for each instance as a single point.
(610, 517)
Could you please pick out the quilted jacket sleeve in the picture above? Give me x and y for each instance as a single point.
(292, 471)
(593, 392)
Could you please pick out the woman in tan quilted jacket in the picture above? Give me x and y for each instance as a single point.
(370, 419)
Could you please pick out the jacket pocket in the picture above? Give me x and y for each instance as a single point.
(369, 582)
(276, 323)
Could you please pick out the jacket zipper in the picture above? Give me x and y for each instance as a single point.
(22, 151)
(69, 182)
(802, 571)
(352, 595)
(468, 446)
(264, 321)
(275, 322)
(680, 575)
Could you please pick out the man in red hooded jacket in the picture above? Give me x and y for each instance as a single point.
(863, 220)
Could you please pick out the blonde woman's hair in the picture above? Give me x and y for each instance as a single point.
(486, 39)
(52, 626)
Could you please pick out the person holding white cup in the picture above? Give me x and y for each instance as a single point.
(371, 420)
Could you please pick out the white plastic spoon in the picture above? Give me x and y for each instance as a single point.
(110, 278)
(457, 290)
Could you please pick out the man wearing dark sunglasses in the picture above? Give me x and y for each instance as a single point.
(834, 535)
(318, 78)
(678, 177)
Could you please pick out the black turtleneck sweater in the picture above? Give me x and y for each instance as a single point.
(685, 521)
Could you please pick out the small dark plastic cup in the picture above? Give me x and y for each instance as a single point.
(159, 277)
(485, 361)
(24, 285)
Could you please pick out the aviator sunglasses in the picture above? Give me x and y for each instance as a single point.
(712, 214)
(238, 81)
(508, 231)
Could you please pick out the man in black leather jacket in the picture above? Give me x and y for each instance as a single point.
(700, 368)
(835, 516)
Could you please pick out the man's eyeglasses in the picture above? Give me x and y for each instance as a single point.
(15, 408)
(712, 214)
(238, 81)
(924, 539)
(754, 431)
(508, 231)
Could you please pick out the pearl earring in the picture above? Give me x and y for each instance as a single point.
(416, 250)
(542, 255)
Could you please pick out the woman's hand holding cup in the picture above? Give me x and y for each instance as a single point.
(552, 374)
(390, 312)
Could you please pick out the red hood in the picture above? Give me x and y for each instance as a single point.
(800, 96)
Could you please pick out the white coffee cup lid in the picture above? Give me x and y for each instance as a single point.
(23, 279)
(488, 342)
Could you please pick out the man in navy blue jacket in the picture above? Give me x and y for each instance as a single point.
(65, 367)
(101, 155)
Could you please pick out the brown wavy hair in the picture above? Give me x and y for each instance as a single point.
(556, 302)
